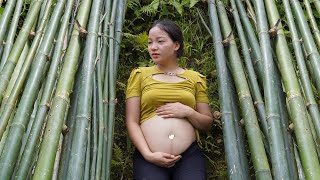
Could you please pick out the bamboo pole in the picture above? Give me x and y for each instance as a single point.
(18, 46)
(278, 158)
(78, 148)
(255, 90)
(253, 41)
(313, 23)
(61, 100)
(232, 156)
(311, 49)
(5, 18)
(30, 92)
(18, 85)
(45, 101)
(316, 4)
(242, 88)
(94, 128)
(11, 33)
(311, 102)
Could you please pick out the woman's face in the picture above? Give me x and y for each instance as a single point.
(161, 47)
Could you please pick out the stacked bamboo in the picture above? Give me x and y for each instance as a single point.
(274, 96)
(57, 103)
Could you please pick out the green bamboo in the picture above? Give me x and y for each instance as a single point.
(251, 11)
(232, 156)
(304, 75)
(284, 118)
(299, 165)
(18, 46)
(253, 41)
(78, 148)
(313, 23)
(256, 94)
(239, 132)
(61, 100)
(242, 88)
(101, 125)
(31, 90)
(111, 86)
(316, 4)
(33, 139)
(19, 83)
(11, 33)
(5, 18)
(64, 161)
(278, 154)
(15, 75)
(88, 155)
(312, 52)
(94, 128)
(105, 61)
(105, 39)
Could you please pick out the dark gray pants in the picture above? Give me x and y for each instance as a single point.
(191, 166)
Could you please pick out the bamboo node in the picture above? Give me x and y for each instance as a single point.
(105, 101)
(309, 54)
(241, 122)
(273, 31)
(291, 126)
(65, 130)
(82, 32)
(227, 40)
(32, 34)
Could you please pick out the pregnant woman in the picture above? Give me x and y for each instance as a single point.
(165, 106)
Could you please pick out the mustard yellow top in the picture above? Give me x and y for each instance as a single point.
(155, 93)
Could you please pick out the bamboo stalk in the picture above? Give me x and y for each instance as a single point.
(105, 39)
(253, 41)
(101, 121)
(299, 165)
(78, 148)
(15, 75)
(251, 11)
(30, 92)
(5, 18)
(239, 133)
(94, 125)
(65, 157)
(111, 86)
(18, 46)
(311, 102)
(278, 158)
(313, 23)
(311, 49)
(233, 160)
(255, 90)
(60, 103)
(19, 83)
(242, 88)
(86, 175)
(46, 97)
(11, 33)
(316, 4)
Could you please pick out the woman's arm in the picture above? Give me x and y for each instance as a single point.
(200, 118)
(137, 137)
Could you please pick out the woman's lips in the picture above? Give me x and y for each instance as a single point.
(155, 55)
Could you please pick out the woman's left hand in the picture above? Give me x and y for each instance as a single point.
(174, 110)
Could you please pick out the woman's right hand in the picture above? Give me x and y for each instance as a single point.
(163, 159)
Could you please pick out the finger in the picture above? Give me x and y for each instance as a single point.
(168, 156)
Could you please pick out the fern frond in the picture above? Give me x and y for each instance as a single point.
(118, 155)
(151, 8)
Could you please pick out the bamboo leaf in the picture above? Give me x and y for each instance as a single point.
(193, 2)
(178, 6)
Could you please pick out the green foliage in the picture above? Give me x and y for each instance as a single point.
(1, 10)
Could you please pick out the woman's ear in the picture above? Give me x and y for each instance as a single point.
(177, 46)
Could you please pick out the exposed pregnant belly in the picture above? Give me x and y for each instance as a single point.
(170, 135)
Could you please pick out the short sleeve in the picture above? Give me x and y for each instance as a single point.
(134, 84)
(201, 89)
